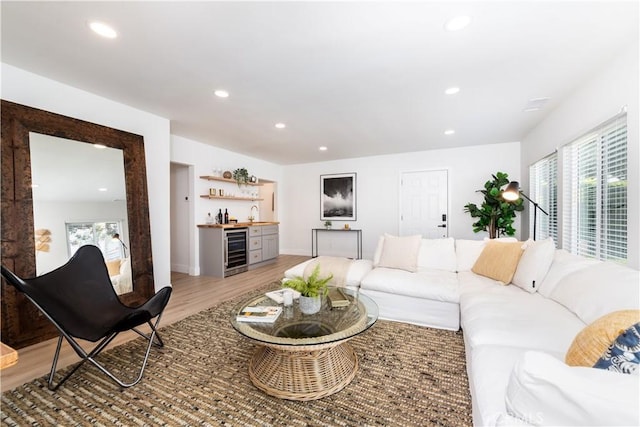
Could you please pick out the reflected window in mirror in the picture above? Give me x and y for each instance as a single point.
(104, 235)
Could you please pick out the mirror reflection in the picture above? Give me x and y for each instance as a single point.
(79, 198)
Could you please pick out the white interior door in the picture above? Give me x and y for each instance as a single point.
(423, 203)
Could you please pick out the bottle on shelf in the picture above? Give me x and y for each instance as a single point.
(226, 217)
(209, 218)
(219, 216)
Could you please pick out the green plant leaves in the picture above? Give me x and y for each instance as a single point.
(495, 215)
(313, 286)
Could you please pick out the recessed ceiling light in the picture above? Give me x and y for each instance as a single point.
(452, 90)
(99, 146)
(449, 132)
(102, 189)
(322, 148)
(220, 93)
(457, 23)
(103, 30)
(281, 125)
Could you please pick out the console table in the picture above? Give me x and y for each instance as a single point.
(314, 239)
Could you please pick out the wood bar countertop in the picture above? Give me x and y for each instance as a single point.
(239, 224)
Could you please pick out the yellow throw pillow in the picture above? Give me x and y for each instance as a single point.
(499, 260)
(591, 343)
(113, 267)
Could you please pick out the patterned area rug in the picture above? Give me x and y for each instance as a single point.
(408, 376)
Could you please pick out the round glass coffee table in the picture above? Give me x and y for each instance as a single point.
(306, 356)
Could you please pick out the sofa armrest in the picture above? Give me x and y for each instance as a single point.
(543, 390)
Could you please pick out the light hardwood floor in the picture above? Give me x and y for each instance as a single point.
(191, 294)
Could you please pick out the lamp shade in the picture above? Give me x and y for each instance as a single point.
(512, 192)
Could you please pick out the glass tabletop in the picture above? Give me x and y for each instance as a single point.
(294, 328)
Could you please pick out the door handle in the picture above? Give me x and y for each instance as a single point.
(443, 226)
(226, 252)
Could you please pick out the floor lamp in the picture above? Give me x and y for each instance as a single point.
(512, 193)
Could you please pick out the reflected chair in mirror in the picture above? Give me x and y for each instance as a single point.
(79, 299)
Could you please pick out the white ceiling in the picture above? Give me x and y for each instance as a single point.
(362, 78)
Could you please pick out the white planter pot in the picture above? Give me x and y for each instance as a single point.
(310, 305)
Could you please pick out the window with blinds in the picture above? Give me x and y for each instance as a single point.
(543, 188)
(595, 192)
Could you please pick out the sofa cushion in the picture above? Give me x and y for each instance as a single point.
(436, 285)
(437, 254)
(595, 291)
(499, 260)
(509, 316)
(534, 264)
(544, 391)
(400, 252)
(623, 355)
(592, 341)
(467, 253)
(563, 264)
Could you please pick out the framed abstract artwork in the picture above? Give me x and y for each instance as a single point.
(338, 197)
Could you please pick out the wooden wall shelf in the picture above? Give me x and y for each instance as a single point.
(249, 199)
(221, 179)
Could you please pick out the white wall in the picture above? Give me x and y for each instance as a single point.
(378, 191)
(595, 101)
(204, 158)
(36, 91)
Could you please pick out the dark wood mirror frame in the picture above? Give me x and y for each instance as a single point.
(22, 324)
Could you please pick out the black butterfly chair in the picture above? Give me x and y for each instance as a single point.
(80, 301)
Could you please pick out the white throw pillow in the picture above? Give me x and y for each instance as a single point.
(534, 264)
(437, 254)
(467, 253)
(563, 264)
(400, 252)
(598, 290)
(378, 253)
(543, 391)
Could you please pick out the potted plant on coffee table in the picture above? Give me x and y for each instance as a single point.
(311, 290)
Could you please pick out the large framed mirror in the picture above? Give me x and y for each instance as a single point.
(36, 237)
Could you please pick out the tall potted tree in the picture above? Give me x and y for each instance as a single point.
(495, 215)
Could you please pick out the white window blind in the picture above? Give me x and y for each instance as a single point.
(543, 189)
(595, 192)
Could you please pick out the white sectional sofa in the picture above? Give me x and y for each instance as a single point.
(510, 333)
(516, 336)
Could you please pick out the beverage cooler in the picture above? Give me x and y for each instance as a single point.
(223, 251)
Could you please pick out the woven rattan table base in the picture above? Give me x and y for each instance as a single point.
(303, 373)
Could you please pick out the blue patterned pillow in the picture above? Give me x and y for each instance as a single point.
(623, 355)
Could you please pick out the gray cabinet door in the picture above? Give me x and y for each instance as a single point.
(269, 247)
